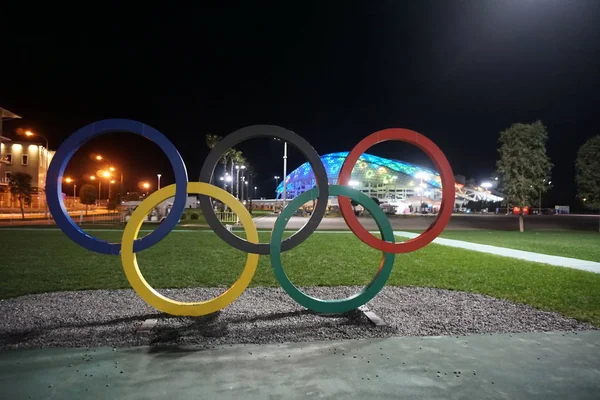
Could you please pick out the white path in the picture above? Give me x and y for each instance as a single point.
(567, 262)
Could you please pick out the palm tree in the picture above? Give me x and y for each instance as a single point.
(211, 142)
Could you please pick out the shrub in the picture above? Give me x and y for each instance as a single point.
(183, 217)
(194, 216)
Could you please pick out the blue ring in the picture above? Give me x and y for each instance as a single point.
(72, 144)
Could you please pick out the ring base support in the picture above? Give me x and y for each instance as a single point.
(374, 318)
(146, 326)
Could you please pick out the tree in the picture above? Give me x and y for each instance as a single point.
(524, 167)
(88, 195)
(116, 194)
(20, 187)
(587, 167)
(211, 142)
(115, 199)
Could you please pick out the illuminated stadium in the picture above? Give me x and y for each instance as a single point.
(396, 184)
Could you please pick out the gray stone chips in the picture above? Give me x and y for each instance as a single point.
(260, 315)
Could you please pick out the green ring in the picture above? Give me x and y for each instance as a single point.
(354, 301)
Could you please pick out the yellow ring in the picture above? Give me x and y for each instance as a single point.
(157, 300)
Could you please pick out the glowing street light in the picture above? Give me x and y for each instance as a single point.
(100, 157)
(145, 186)
(71, 180)
(225, 179)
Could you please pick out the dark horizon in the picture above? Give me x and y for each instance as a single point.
(457, 72)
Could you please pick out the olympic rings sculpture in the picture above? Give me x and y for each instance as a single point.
(130, 244)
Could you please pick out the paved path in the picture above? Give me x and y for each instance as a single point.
(518, 366)
(567, 262)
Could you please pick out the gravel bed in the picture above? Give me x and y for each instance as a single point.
(260, 315)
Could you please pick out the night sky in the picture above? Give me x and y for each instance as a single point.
(457, 71)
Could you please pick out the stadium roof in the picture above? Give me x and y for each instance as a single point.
(333, 164)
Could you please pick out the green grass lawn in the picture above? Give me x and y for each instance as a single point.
(41, 260)
(581, 245)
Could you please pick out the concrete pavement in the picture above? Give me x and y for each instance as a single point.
(518, 366)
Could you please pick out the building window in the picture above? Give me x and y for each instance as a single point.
(8, 158)
(24, 159)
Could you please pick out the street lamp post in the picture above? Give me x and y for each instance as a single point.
(237, 180)
(99, 190)
(112, 181)
(540, 197)
(283, 195)
(276, 177)
(106, 175)
(71, 180)
(422, 176)
(242, 191)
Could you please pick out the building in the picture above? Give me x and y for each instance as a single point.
(4, 115)
(27, 157)
(396, 184)
(3, 178)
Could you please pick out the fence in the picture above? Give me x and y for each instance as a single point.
(227, 217)
(38, 202)
(79, 216)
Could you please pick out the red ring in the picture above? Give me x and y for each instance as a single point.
(448, 191)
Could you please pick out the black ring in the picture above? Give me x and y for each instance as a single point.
(305, 148)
